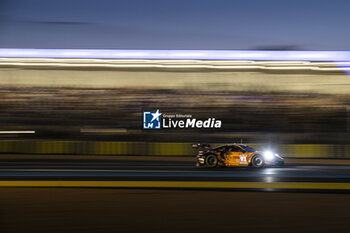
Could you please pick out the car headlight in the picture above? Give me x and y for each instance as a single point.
(268, 155)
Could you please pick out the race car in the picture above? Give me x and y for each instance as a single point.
(235, 155)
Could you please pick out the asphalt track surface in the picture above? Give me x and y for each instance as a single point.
(170, 175)
(76, 210)
(45, 195)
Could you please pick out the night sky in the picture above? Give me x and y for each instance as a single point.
(176, 24)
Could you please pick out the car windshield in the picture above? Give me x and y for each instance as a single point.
(247, 148)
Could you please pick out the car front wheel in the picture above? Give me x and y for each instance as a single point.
(258, 161)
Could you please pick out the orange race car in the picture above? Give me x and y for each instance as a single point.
(235, 155)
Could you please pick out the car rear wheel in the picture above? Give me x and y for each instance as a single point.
(211, 160)
(258, 161)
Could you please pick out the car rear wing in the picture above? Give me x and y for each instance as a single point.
(201, 146)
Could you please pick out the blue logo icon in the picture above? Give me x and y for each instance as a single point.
(151, 120)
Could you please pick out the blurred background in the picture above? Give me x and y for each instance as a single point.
(92, 105)
(75, 108)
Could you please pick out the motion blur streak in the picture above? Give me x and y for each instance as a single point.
(172, 66)
(13, 132)
(181, 54)
(177, 184)
(103, 130)
(160, 61)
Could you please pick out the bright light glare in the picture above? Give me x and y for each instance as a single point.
(268, 155)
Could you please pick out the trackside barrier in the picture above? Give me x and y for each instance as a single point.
(158, 149)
